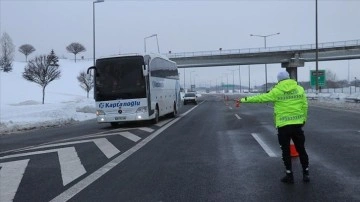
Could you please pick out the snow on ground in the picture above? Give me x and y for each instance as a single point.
(66, 102)
(336, 100)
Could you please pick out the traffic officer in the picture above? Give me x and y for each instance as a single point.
(290, 115)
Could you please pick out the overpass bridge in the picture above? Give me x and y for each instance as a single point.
(290, 57)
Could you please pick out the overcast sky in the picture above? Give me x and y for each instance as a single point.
(184, 26)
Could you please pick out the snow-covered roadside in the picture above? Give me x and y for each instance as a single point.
(335, 100)
(65, 101)
(336, 104)
(30, 115)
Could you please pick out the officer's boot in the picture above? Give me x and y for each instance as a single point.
(289, 177)
(306, 177)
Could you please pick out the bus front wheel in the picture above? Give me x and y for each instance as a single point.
(156, 119)
(173, 113)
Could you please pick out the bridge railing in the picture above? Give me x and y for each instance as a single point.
(268, 49)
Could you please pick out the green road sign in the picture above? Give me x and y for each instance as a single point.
(321, 78)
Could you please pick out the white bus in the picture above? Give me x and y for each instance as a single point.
(135, 88)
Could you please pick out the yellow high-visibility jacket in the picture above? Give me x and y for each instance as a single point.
(290, 102)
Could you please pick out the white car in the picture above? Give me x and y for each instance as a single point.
(190, 97)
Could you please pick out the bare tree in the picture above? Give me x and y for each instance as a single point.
(42, 70)
(331, 76)
(7, 49)
(331, 79)
(75, 48)
(342, 83)
(86, 82)
(26, 49)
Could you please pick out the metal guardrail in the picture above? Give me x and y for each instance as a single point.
(268, 49)
(354, 99)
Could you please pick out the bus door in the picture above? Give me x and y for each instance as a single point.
(147, 83)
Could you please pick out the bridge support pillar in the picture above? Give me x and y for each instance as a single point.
(291, 66)
(292, 72)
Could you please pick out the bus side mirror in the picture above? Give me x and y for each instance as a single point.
(90, 68)
(145, 70)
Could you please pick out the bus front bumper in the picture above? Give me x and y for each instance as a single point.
(122, 118)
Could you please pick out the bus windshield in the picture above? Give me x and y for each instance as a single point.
(119, 78)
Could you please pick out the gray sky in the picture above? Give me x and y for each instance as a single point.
(184, 26)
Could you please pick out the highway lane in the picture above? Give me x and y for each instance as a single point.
(65, 154)
(216, 152)
(40, 136)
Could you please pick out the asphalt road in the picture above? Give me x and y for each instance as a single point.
(212, 151)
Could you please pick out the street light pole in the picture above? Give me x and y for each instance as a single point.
(195, 80)
(317, 49)
(233, 79)
(157, 42)
(239, 80)
(222, 84)
(0, 71)
(216, 86)
(265, 36)
(184, 79)
(190, 80)
(94, 2)
(249, 77)
(227, 82)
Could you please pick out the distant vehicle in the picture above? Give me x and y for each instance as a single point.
(245, 91)
(135, 88)
(190, 98)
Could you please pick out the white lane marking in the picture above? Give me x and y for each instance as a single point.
(184, 114)
(106, 147)
(230, 107)
(101, 146)
(130, 136)
(70, 165)
(146, 129)
(263, 145)
(161, 123)
(29, 154)
(11, 174)
(237, 116)
(97, 135)
(114, 130)
(78, 187)
(272, 130)
(100, 134)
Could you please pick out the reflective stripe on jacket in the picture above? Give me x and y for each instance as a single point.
(290, 102)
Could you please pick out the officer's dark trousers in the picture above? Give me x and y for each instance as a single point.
(294, 132)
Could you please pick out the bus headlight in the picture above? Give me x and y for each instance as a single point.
(141, 110)
(100, 112)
